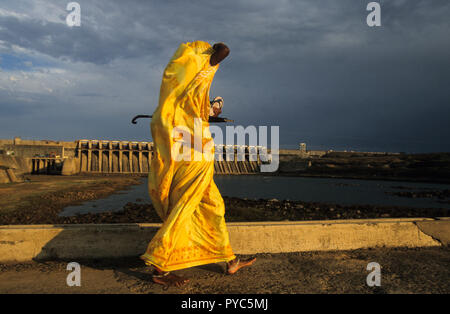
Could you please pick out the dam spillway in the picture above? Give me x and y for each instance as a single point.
(114, 156)
(46, 165)
(236, 159)
(97, 156)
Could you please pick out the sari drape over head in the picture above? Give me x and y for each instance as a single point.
(183, 191)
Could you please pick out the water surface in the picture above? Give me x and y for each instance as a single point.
(328, 190)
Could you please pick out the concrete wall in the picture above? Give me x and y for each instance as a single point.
(12, 168)
(30, 148)
(24, 243)
(4, 177)
(24, 159)
(34, 150)
(18, 164)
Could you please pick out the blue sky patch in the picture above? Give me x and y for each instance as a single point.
(10, 62)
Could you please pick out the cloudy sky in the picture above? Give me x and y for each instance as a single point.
(312, 67)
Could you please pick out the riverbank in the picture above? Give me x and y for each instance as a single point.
(40, 198)
(419, 270)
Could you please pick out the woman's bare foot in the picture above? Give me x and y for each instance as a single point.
(168, 279)
(236, 264)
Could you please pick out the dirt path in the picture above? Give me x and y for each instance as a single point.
(423, 270)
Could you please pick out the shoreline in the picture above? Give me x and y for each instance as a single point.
(427, 167)
(43, 197)
(334, 176)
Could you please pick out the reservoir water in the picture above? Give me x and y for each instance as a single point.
(328, 190)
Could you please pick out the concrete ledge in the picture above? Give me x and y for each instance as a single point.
(439, 230)
(24, 243)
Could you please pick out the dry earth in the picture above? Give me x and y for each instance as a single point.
(422, 270)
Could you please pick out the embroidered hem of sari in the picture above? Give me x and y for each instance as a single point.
(148, 259)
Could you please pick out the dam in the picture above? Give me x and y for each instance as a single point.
(18, 157)
(134, 157)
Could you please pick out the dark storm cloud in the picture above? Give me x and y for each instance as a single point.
(77, 44)
(313, 67)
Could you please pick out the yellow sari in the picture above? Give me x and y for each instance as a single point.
(183, 192)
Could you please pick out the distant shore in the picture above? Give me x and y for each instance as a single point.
(431, 167)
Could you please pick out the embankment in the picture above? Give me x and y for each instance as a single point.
(43, 242)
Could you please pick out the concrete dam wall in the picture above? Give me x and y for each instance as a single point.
(11, 168)
(134, 157)
(19, 157)
(113, 156)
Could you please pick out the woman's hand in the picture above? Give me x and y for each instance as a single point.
(216, 106)
(216, 111)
